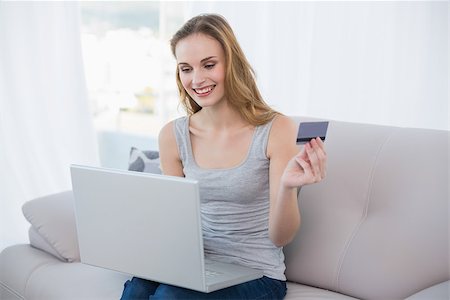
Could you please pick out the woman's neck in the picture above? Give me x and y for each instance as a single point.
(220, 117)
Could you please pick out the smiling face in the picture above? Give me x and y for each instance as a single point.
(201, 66)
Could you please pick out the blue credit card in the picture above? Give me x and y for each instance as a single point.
(310, 130)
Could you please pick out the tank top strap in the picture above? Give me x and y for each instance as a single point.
(181, 128)
(260, 141)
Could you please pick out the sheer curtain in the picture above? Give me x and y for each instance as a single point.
(375, 62)
(45, 124)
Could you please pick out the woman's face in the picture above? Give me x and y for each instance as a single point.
(201, 65)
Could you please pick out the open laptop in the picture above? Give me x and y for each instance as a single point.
(149, 226)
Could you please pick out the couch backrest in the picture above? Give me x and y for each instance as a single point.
(377, 226)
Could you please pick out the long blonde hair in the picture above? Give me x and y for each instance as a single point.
(240, 85)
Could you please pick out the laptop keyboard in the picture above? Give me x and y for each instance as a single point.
(211, 273)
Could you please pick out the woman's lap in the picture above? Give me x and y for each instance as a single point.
(263, 288)
(138, 289)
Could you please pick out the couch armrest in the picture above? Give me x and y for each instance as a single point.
(436, 292)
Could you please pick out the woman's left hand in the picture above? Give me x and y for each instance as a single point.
(308, 166)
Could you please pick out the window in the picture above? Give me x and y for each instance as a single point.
(130, 71)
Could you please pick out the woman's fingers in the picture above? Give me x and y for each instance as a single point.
(305, 166)
(317, 158)
(314, 174)
(321, 154)
(314, 162)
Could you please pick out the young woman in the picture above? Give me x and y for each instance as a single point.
(243, 154)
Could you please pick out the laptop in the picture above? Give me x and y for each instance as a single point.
(149, 226)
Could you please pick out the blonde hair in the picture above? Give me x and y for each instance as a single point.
(240, 85)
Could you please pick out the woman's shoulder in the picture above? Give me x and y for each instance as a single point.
(283, 134)
(166, 134)
(168, 149)
(282, 124)
(168, 130)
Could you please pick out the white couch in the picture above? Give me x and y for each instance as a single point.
(375, 228)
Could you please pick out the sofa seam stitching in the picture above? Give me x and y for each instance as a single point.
(40, 266)
(365, 211)
(12, 291)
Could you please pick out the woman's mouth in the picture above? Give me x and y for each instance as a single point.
(204, 91)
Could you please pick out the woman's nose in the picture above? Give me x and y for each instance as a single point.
(198, 78)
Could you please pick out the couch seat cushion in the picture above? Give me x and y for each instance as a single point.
(304, 292)
(33, 274)
(17, 264)
(439, 291)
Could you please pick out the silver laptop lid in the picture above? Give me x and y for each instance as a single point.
(162, 239)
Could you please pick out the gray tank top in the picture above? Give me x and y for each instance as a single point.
(235, 205)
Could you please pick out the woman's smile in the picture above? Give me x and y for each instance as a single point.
(204, 91)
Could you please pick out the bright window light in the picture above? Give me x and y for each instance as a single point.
(130, 71)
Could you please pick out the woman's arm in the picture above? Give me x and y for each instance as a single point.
(290, 169)
(168, 152)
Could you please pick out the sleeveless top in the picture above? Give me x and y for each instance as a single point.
(235, 205)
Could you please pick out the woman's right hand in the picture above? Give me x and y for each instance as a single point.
(307, 167)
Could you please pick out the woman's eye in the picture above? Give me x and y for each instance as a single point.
(209, 66)
(185, 70)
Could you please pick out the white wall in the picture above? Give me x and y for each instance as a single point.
(380, 62)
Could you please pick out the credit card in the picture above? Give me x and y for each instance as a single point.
(310, 130)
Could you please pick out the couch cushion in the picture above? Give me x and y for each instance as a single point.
(440, 291)
(304, 292)
(17, 263)
(75, 281)
(33, 274)
(144, 161)
(53, 218)
(37, 241)
(377, 226)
